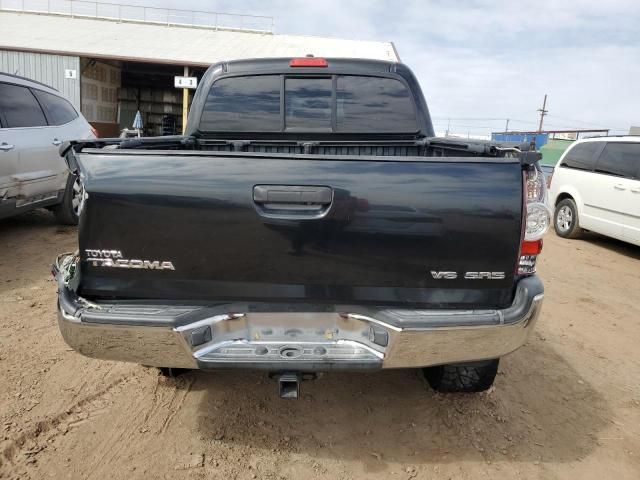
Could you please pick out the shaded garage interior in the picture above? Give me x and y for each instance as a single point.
(113, 91)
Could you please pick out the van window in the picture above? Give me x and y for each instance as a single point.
(57, 109)
(620, 159)
(20, 107)
(582, 156)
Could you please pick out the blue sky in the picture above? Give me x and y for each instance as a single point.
(481, 62)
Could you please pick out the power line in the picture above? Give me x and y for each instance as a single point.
(488, 126)
(483, 119)
(449, 125)
(519, 120)
(522, 121)
(585, 123)
(469, 118)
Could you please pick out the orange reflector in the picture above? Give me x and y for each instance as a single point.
(309, 62)
(531, 248)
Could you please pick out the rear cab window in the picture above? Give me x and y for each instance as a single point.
(243, 104)
(20, 107)
(307, 103)
(367, 104)
(295, 103)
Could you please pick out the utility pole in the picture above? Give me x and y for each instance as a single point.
(543, 111)
(506, 127)
(448, 126)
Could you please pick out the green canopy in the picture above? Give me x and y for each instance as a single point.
(553, 150)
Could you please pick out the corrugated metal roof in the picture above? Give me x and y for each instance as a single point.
(168, 44)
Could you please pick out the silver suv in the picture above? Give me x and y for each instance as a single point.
(34, 121)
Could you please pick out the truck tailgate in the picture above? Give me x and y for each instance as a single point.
(251, 227)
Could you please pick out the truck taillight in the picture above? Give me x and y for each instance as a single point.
(537, 219)
(537, 214)
(531, 248)
(529, 252)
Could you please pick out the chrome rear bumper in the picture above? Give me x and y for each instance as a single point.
(340, 337)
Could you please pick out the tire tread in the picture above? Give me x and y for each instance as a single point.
(468, 378)
(64, 210)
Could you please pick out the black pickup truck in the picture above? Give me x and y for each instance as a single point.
(309, 220)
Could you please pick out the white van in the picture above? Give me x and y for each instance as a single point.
(34, 121)
(596, 187)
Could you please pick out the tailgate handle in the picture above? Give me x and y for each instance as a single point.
(292, 195)
(292, 201)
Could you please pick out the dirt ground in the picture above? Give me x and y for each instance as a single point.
(567, 405)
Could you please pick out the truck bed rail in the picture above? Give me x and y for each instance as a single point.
(423, 147)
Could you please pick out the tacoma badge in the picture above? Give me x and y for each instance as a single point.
(114, 259)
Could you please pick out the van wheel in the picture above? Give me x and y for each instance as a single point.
(67, 212)
(565, 219)
(467, 378)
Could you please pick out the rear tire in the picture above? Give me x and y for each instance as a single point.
(467, 378)
(565, 219)
(170, 372)
(67, 212)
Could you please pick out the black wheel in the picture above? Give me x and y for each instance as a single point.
(68, 211)
(467, 378)
(565, 219)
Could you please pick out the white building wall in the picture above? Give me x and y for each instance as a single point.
(100, 91)
(45, 68)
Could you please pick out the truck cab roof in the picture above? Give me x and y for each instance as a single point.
(314, 68)
(353, 65)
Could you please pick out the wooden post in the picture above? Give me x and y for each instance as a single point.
(185, 103)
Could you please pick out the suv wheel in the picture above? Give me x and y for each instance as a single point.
(565, 219)
(67, 212)
(467, 378)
